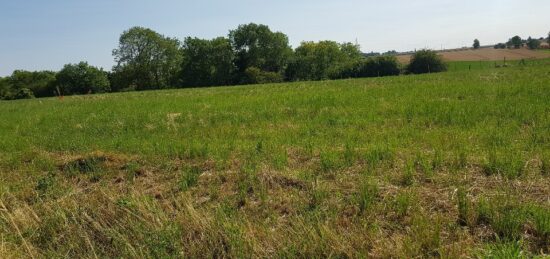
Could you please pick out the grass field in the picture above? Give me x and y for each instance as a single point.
(445, 165)
(477, 65)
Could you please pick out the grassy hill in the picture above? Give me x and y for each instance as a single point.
(441, 165)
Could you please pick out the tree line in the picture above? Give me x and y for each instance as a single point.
(517, 42)
(250, 54)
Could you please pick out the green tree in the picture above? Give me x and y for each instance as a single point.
(533, 43)
(207, 62)
(379, 66)
(146, 60)
(40, 83)
(81, 78)
(5, 88)
(476, 44)
(516, 42)
(255, 45)
(426, 61)
(323, 60)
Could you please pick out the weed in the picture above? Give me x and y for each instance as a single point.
(407, 179)
(402, 203)
(378, 155)
(541, 221)
(504, 250)
(509, 166)
(189, 177)
(330, 161)
(85, 165)
(367, 194)
(464, 207)
(507, 223)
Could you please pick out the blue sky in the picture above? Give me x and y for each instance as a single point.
(44, 35)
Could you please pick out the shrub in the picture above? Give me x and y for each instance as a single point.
(23, 93)
(254, 75)
(533, 43)
(368, 192)
(380, 66)
(500, 46)
(426, 61)
(82, 78)
(476, 44)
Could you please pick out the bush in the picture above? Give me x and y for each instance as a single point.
(23, 93)
(254, 75)
(533, 43)
(500, 46)
(476, 44)
(380, 66)
(426, 61)
(82, 78)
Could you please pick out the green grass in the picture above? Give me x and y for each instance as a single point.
(486, 65)
(407, 166)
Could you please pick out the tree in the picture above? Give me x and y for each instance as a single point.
(322, 60)
(146, 60)
(81, 78)
(257, 46)
(476, 44)
(500, 46)
(207, 62)
(516, 42)
(426, 61)
(379, 66)
(5, 88)
(548, 38)
(40, 83)
(533, 43)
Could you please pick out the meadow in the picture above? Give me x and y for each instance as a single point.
(447, 165)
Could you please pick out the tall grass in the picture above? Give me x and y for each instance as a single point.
(348, 168)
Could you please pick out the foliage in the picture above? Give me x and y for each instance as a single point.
(500, 46)
(82, 78)
(39, 83)
(515, 42)
(426, 61)
(255, 45)
(207, 62)
(476, 44)
(322, 60)
(533, 43)
(379, 66)
(146, 60)
(22, 93)
(254, 75)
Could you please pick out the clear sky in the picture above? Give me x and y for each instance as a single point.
(44, 35)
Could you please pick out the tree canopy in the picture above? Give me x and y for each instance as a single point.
(81, 78)
(426, 61)
(476, 44)
(533, 43)
(255, 45)
(515, 42)
(207, 62)
(321, 60)
(146, 60)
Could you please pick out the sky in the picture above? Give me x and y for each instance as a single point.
(45, 35)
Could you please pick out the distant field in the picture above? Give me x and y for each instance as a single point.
(448, 165)
(485, 54)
